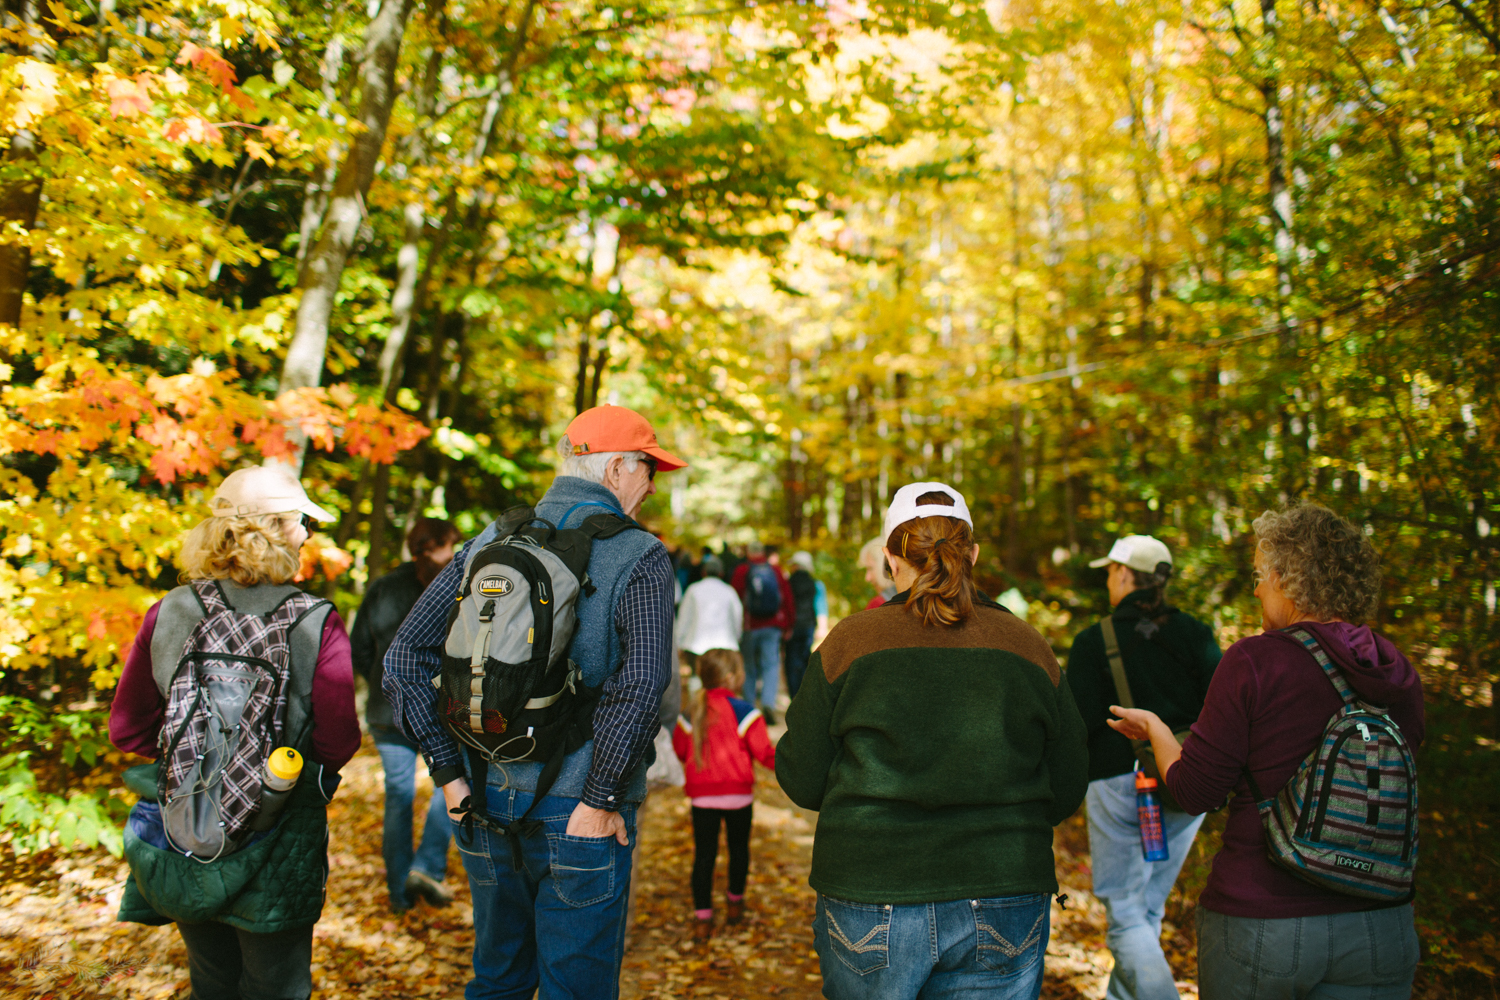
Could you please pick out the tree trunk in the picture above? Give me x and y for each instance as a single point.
(20, 191)
(20, 198)
(404, 302)
(601, 358)
(324, 266)
(379, 500)
(315, 194)
(581, 390)
(1017, 453)
(1279, 193)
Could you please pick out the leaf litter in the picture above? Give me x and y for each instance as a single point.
(59, 938)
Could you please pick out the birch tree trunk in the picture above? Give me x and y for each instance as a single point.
(1280, 195)
(324, 266)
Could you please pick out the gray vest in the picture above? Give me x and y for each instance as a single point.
(597, 647)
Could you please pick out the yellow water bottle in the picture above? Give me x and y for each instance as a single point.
(276, 783)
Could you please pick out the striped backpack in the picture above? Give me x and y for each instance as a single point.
(1347, 820)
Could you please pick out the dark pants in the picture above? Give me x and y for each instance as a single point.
(798, 652)
(706, 851)
(229, 964)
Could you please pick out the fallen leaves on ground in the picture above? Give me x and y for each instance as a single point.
(59, 938)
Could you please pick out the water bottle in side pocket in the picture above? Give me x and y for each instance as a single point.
(280, 777)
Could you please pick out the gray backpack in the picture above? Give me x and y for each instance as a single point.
(226, 711)
(1347, 820)
(507, 691)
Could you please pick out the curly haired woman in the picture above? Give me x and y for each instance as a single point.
(247, 913)
(1264, 934)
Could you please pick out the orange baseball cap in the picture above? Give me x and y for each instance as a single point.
(618, 428)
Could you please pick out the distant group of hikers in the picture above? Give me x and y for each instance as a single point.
(536, 667)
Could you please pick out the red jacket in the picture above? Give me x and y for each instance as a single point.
(736, 738)
(784, 615)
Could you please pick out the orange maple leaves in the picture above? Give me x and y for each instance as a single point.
(131, 96)
(192, 424)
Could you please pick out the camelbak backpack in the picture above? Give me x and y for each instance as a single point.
(226, 710)
(1347, 820)
(762, 590)
(508, 692)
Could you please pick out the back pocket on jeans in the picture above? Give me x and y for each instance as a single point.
(858, 933)
(1012, 931)
(583, 868)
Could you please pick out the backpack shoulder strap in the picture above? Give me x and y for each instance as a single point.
(1335, 675)
(608, 525)
(180, 612)
(211, 597)
(513, 520)
(1116, 662)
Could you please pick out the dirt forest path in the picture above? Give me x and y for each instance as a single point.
(58, 937)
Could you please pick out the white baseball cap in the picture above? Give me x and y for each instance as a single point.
(904, 506)
(1141, 552)
(803, 559)
(264, 489)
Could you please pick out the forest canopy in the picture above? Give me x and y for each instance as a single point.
(1104, 267)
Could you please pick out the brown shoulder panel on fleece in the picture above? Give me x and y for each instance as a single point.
(893, 626)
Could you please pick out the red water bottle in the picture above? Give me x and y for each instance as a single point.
(1148, 811)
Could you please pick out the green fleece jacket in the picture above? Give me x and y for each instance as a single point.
(939, 758)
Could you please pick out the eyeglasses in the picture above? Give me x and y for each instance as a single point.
(651, 469)
(308, 523)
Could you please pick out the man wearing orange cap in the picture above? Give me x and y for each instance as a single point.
(553, 924)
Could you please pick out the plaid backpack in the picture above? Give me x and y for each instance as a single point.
(1347, 820)
(226, 710)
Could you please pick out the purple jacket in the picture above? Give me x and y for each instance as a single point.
(1265, 709)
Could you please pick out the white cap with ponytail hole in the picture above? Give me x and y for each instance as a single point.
(904, 506)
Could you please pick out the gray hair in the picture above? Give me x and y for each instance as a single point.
(1328, 568)
(593, 465)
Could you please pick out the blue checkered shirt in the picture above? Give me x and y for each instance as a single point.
(626, 717)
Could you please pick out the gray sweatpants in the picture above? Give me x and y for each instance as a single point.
(1371, 955)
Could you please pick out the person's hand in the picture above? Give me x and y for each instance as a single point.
(587, 821)
(1133, 723)
(454, 793)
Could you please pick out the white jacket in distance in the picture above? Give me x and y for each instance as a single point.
(710, 617)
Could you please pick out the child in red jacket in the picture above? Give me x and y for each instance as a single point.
(718, 748)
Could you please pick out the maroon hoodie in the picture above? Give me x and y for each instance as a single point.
(1266, 709)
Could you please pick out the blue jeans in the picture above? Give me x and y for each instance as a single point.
(988, 948)
(557, 923)
(1369, 955)
(400, 763)
(1134, 891)
(761, 649)
(798, 652)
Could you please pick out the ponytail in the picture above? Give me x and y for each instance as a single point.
(939, 549)
(717, 668)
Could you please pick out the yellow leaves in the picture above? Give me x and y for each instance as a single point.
(37, 95)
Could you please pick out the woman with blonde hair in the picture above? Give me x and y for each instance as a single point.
(936, 739)
(245, 900)
(1264, 933)
(718, 747)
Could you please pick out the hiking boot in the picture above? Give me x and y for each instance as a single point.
(702, 929)
(768, 715)
(420, 885)
(734, 911)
